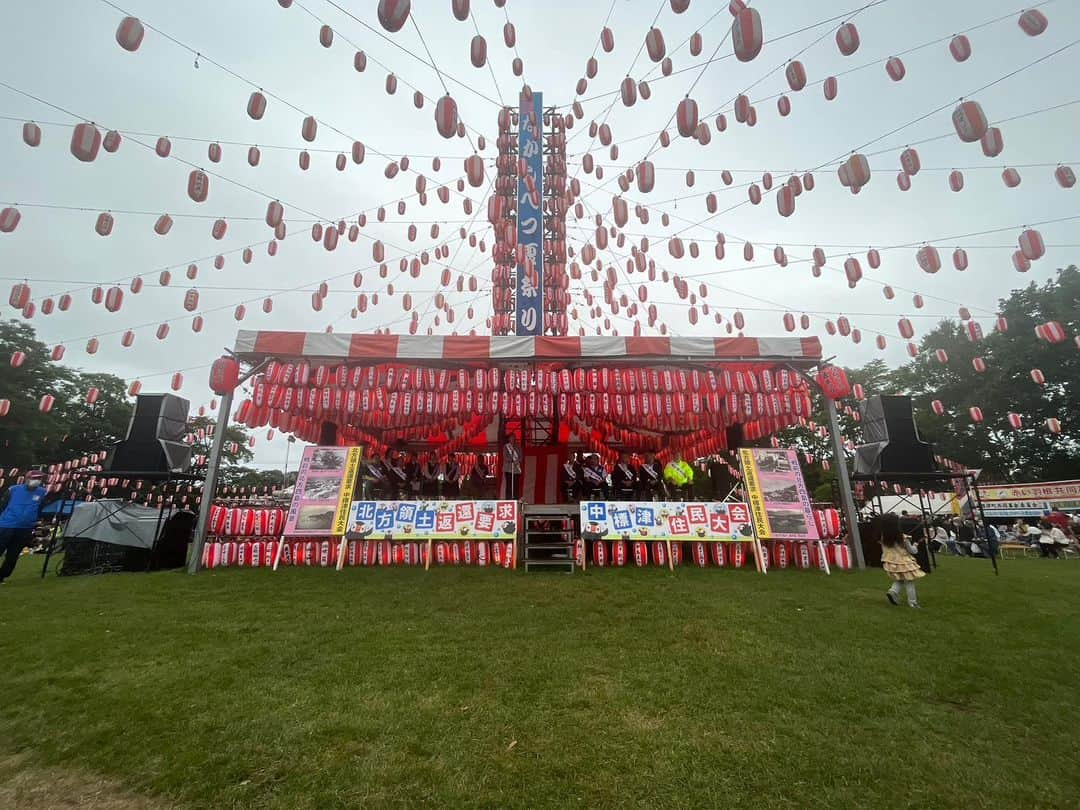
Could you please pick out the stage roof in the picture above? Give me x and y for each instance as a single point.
(252, 346)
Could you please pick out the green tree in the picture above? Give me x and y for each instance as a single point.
(1005, 387)
(235, 450)
(72, 427)
(241, 476)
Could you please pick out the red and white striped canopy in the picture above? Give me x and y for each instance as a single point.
(256, 345)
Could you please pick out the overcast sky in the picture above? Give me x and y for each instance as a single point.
(63, 53)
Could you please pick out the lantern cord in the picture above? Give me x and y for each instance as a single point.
(254, 84)
(466, 85)
(416, 25)
(491, 68)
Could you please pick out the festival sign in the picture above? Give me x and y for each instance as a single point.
(529, 315)
(779, 503)
(676, 521)
(1038, 491)
(433, 520)
(323, 491)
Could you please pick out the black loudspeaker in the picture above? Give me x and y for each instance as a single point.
(734, 436)
(154, 442)
(892, 440)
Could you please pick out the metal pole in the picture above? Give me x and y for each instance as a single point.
(210, 483)
(846, 500)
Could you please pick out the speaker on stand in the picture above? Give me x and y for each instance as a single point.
(155, 438)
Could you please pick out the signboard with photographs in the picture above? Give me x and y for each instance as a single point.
(323, 491)
(779, 503)
(665, 520)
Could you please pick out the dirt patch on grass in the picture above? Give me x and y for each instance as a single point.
(24, 786)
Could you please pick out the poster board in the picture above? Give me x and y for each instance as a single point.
(433, 520)
(677, 521)
(779, 503)
(323, 491)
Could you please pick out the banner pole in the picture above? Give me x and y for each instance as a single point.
(670, 560)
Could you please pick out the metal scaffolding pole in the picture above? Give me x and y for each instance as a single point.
(851, 514)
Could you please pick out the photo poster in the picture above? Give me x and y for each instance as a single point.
(324, 491)
(779, 503)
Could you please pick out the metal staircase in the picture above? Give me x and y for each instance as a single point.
(550, 531)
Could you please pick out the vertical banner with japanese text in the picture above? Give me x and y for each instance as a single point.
(529, 314)
(779, 503)
(323, 491)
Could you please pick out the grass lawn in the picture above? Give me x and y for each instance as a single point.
(476, 687)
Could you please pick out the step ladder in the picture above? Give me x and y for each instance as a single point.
(550, 532)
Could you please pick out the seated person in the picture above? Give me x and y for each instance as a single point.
(650, 479)
(571, 476)
(594, 480)
(623, 478)
(375, 484)
(679, 477)
(450, 483)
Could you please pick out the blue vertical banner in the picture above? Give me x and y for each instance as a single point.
(529, 311)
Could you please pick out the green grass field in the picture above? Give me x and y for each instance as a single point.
(633, 688)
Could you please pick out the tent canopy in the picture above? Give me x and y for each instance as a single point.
(457, 392)
(253, 346)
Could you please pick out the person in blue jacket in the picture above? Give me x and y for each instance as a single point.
(20, 511)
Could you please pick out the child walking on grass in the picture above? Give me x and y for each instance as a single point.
(898, 562)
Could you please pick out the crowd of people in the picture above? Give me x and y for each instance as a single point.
(398, 474)
(1053, 535)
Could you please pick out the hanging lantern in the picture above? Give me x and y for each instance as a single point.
(969, 120)
(104, 224)
(1032, 245)
(992, 142)
(894, 67)
(929, 259)
(1016, 422)
(1051, 332)
(177, 381)
(941, 356)
(1065, 176)
(224, 375)
(1011, 177)
(830, 88)
(85, 142)
(1032, 22)
(446, 116)
(847, 39)
(686, 117)
(976, 414)
(393, 14)
(960, 259)
(129, 34)
(198, 187)
(1037, 377)
(796, 75)
(1053, 425)
(9, 219)
(654, 44)
(31, 134)
(833, 382)
(746, 34)
(960, 48)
